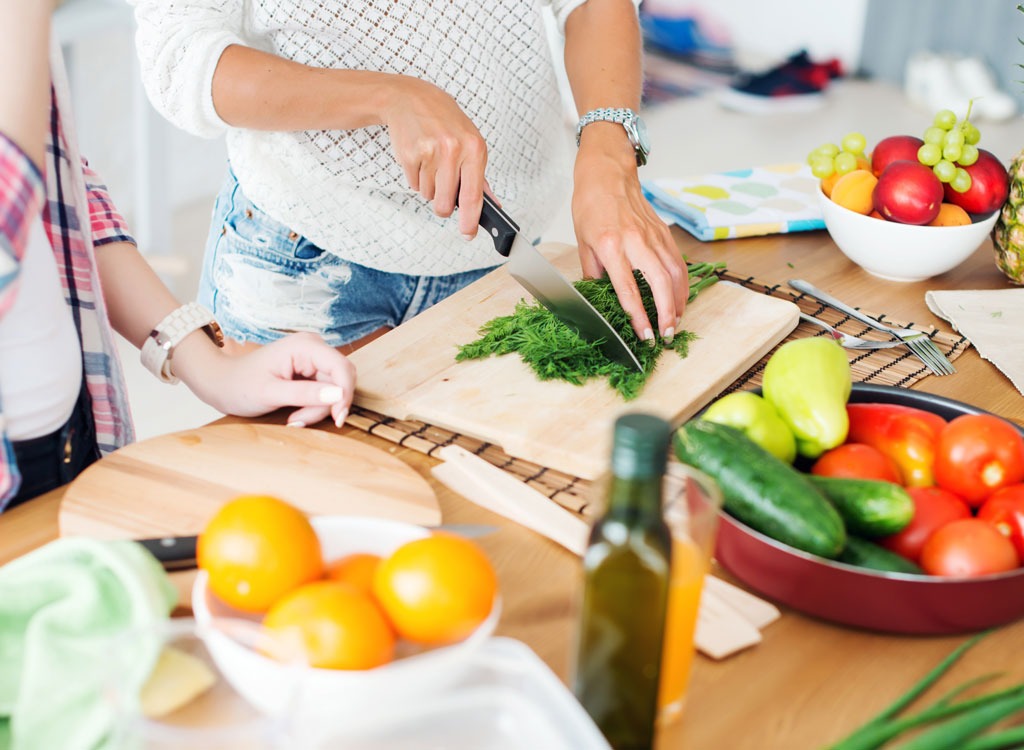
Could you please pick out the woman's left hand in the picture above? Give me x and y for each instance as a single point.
(617, 231)
(298, 370)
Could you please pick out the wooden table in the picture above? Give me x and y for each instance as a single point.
(809, 682)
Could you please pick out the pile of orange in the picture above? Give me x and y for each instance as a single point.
(261, 555)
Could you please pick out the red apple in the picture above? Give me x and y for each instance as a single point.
(990, 184)
(893, 148)
(908, 192)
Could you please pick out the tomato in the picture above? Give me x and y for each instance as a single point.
(976, 454)
(1004, 508)
(967, 548)
(856, 461)
(905, 434)
(934, 507)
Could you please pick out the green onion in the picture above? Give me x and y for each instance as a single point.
(950, 735)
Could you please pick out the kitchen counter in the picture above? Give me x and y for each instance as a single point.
(809, 682)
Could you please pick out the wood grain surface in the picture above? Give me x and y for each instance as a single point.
(172, 484)
(411, 372)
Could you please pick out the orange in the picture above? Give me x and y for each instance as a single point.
(855, 191)
(950, 215)
(256, 549)
(356, 570)
(436, 590)
(336, 626)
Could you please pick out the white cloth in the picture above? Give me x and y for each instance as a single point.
(991, 320)
(344, 190)
(40, 355)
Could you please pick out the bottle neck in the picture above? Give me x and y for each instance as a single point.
(634, 498)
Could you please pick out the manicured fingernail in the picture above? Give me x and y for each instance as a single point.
(296, 423)
(668, 335)
(649, 336)
(341, 419)
(468, 237)
(331, 394)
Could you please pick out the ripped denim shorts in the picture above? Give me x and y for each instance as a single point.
(263, 281)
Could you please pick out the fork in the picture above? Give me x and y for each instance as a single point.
(916, 341)
(849, 341)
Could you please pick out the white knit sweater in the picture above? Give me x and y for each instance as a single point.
(343, 189)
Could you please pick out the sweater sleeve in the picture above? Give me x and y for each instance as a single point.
(179, 43)
(562, 9)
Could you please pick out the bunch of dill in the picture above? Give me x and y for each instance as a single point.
(555, 352)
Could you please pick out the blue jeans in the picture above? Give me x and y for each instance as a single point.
(263, 281)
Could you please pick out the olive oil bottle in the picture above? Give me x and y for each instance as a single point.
(625, 593)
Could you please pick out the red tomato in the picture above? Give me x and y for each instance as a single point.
(976, 454)
(1004, 508)
(967, 548)
(934, 507)
(856, 461)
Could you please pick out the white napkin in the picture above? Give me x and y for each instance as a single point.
(991, 319)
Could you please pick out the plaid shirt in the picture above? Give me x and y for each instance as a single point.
(70, 197)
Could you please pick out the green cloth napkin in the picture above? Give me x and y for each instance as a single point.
(66, 610)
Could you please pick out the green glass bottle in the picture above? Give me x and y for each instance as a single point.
(625, 591)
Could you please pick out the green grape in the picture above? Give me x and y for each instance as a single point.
(951, 152)
(961, 181)
(934, 135)
(845, 162)
(854, 143)
(822, 166)
(954, 137)
(971, 133)
(929, 154)
(945, 119)
(828, 149)
(968, 155)
(944, 170)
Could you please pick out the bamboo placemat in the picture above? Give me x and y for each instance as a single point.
(896, 366)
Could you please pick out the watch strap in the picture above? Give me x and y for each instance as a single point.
(624, 116)
(158, 348)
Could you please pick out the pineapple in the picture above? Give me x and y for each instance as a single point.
(1008, 232)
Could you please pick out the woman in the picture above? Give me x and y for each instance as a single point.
(354, 129)
(69, 270)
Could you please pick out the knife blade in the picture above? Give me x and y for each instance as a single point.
(179, 552)
(541, 279)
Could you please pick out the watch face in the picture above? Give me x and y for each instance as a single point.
(641, 134)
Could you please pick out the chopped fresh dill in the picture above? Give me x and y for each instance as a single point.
(555, 352)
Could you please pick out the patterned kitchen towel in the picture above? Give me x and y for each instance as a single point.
(744, 203)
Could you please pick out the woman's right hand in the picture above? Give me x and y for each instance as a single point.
(440, 149)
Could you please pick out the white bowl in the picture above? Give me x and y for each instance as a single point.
(274, 687)
(902, 252)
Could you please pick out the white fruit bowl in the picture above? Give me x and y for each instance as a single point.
(282, 689)
(902, 252)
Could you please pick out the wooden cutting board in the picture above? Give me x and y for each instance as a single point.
(411, 372)
(172, 484)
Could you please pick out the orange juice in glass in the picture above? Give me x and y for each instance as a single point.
(692, 501)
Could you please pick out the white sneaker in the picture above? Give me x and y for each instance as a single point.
(930, 84)
(976, 81)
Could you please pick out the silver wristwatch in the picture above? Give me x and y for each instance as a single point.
(628, 119)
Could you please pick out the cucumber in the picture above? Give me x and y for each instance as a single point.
(865, 554)
(760, 490)
(868, 507)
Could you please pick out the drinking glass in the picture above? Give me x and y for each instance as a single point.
(691, 501)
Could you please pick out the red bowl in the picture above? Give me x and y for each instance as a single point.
(845, 594)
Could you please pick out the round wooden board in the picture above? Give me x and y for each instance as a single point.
(171, 485)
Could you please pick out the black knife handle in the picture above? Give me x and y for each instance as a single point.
(173, 552)
(498, 225)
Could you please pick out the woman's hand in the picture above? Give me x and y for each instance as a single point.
(617, 231)
(298, 370)
(440, 149)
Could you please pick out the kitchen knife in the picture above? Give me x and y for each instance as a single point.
(179, 552)
(541, 279)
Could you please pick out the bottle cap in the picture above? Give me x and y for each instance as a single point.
(640, 446)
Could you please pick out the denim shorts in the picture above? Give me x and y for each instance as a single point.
(263, 281)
